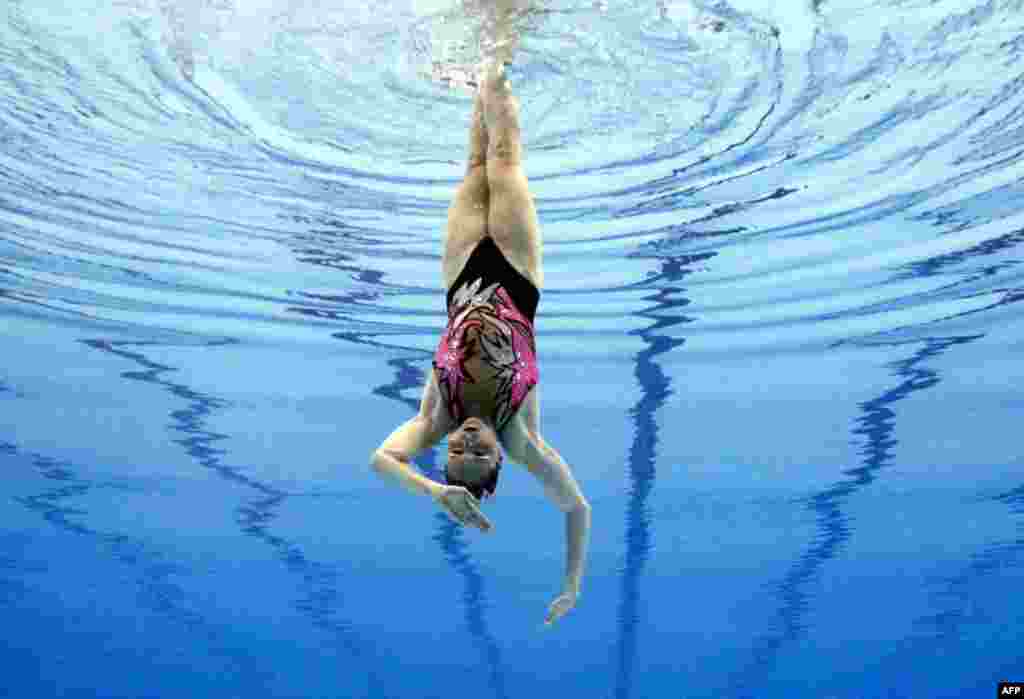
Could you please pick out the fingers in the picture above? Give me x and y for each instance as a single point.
(484, 524)
(461, 505)
(475, 517)
(558, 609)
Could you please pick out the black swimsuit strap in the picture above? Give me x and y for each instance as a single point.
(487, 262)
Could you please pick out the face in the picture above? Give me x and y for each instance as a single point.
(473, 451)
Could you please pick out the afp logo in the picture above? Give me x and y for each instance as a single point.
(1011, 689)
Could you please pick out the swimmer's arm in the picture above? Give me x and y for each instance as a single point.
(544, 462)
(392, 458)
(547, 465)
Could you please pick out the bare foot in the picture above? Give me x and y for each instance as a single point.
(501, 113)
(493, 82)
(493, 86)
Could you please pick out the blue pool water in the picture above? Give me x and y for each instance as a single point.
(780, 346)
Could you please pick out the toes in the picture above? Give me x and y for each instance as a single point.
(494, 74)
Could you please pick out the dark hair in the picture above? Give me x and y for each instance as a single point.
(488, 485)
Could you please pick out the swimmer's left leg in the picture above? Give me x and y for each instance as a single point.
(513, 222)
(468, 213)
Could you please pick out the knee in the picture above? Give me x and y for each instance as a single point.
(501, 113)
(504, 163)
(474, 183)
(505, 172)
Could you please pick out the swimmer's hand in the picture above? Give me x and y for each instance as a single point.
(460, 504)
(562, 604)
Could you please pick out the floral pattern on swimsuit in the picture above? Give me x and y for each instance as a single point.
(504, 341)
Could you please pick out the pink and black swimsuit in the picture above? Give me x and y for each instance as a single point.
(493, 297)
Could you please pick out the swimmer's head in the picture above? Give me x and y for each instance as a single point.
(474, 458)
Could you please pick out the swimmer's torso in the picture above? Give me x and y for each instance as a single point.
(481, 386)
(486, 360)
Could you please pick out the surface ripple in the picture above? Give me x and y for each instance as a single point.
(210, 168)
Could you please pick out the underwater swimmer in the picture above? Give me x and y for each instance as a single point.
(482, 392)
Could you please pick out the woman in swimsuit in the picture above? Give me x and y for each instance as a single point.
(482, 392)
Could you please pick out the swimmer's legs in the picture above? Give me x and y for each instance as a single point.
(512, 218)
(468, 213)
